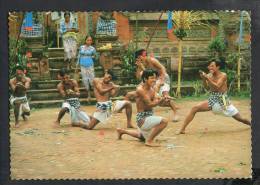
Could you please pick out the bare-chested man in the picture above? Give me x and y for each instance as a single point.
(19, 85)
(69, 90)
(162, 85)
(104, 89)
(218, 102)
(149, 126)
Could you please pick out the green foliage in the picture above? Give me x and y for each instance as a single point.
(217, 47)
(231, 71)
(198, 88)
(128, 63)
(180, 33)
(17, 55)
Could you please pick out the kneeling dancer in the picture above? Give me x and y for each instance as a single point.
(68, 88)
(149, 126)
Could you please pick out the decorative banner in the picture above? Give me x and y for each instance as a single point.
(169, 22)
(28, 24)
(170, 28)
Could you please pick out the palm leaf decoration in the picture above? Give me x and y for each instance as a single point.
(183, 21)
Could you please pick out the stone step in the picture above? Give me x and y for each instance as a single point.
(58, 103)
(58, 63)
(56, 52)
(53, 94)
(50, 94)
(33, 40)
(185, 89)
(54, 72)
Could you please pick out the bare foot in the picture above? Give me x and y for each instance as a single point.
(119, 133)
(151, 144)
(56, 123)
(130, 126)
(180, 132)
(17, 125)
(175, 119)
(24, 117)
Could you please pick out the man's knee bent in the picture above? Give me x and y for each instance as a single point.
(164, 122)
(66, 109)
(195, 109)
(128, 103)
(27, 113)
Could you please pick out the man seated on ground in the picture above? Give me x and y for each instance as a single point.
(162, 85)
(104, 89)
(69, 90)
(149, 126)
(19, 85)
(216, 82)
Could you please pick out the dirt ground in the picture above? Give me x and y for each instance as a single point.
(213, 147)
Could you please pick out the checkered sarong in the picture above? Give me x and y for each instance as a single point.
(217, 97)
(74, 102)
(141, 115)
(104, 106)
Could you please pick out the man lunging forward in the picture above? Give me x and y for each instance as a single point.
(218, 101)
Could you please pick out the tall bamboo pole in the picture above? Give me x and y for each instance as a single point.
(238, 69)
(136, 31)
(179, 69)
(58, 34)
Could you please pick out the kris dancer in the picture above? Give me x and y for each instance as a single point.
(218, 101)
(104, 88)
(68, 89)
(19, 85)
(149, 126)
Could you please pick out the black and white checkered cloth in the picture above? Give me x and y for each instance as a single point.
(36, 31)
(217, 97)
(74, 102)
(141, 115)
(106, 27)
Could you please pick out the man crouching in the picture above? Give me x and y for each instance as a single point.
(69, 90)
(149, 126)
(19, 85)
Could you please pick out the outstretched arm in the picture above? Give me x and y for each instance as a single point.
(160, 68)
(140, 68)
